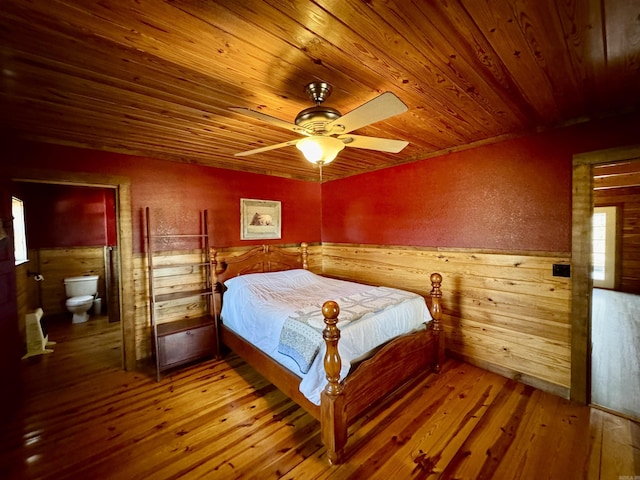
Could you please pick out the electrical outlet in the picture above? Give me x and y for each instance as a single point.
(561, 270)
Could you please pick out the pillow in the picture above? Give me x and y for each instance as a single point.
(284, 278)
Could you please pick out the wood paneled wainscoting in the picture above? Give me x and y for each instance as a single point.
(503, 311)
(56, 264)
(26, 295)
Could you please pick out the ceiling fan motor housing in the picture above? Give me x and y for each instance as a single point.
(315, 119)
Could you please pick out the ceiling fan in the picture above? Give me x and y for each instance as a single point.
(326, 131)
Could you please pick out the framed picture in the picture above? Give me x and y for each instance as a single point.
(259, 219)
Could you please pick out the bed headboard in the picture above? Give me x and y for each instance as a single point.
(260, 259)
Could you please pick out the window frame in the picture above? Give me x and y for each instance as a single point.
(611, 246)
(20, 248)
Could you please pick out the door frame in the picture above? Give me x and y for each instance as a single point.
(122, 188)
(11, 347)
(581, 285)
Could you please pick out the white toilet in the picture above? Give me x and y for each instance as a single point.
(80, 292)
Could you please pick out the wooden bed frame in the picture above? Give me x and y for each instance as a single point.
(374, 378)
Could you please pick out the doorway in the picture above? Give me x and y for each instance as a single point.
(584, 303)
(615, 298)
(121, 187)
(72, 231)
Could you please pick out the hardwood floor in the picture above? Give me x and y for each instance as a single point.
(615, 333)
(83, 417)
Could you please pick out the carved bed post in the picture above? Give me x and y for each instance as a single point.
(305, 255)
(436, 313)
(333, 420)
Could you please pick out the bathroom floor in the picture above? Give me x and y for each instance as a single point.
(59, 326)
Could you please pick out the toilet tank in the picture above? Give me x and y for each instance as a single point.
(83, 285)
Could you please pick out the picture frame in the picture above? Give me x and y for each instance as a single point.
(260, 219)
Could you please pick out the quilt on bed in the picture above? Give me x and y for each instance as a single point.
(301, 335)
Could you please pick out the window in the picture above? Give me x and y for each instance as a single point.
(604, 247)
(19, 231)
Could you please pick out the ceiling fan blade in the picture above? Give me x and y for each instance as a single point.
(382, 107)
(269, 119)
(266, 149)
(373, 143)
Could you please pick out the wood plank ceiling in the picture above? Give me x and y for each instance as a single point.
(155, 79)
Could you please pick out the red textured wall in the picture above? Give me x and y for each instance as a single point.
(69, 216)
(512, 195)
(177, 192)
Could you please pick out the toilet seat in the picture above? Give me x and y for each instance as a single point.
(76, 301)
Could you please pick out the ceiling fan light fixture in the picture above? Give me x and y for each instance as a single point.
(320, 149)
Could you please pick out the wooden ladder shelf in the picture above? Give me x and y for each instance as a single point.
(183, 337)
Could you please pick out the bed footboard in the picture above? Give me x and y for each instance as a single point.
(341, 402)
(377, 377)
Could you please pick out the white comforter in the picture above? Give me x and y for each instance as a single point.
(257, 305)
